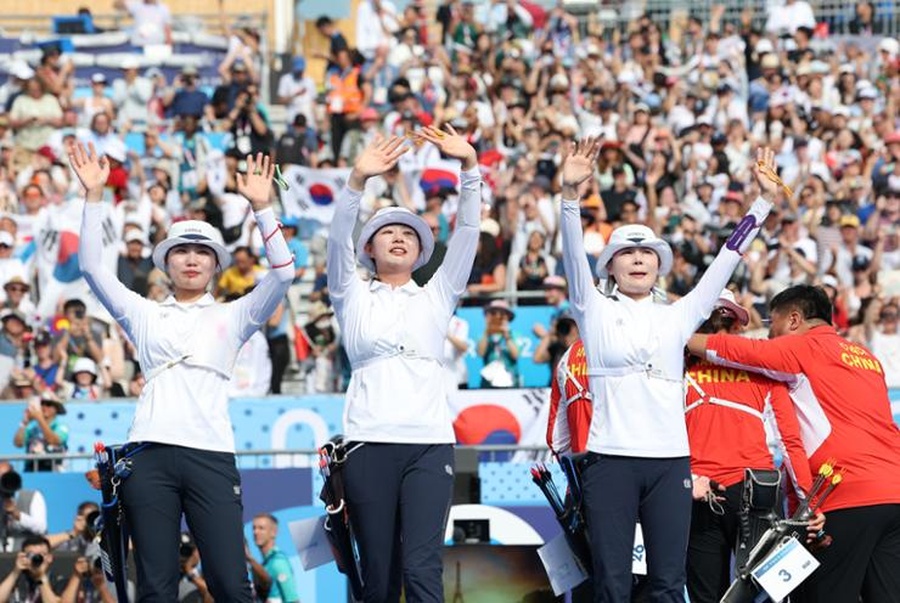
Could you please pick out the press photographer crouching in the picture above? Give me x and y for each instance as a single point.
(88, 584)
(30, 579)
(23, 512)
(192, 587)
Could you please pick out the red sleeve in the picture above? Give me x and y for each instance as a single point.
(579, 414)
(795, 458)
(777, 354)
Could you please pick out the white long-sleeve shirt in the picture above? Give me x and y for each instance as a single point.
(394, 337)
(635, 349)
(186, 350)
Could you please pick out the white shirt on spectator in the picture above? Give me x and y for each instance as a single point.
(454, 360)
(253, 368)
(131, 99)
(10, 267)
(150, 22)
(302, 93)
(374, 30)
(790, 16)
(887, 349)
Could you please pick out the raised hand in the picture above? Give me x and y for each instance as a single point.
(766, 174)
(578, 163)
(377, 158)
(451, 144)
(256, 185)
(92, 170)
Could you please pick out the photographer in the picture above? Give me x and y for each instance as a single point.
(192, 587)
(87, 584)
(30, 580)
(78, 341)
(24, 512)
(82, 533)
(248, 124)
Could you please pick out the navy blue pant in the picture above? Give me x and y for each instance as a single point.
(863, 561)
(204, 485)
(399, 497)
(619, 490)
(712, 542)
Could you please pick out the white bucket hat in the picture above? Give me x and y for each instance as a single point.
(634, 235)
(395, 215)
(727, 300)
(194, 232)
(85, 365)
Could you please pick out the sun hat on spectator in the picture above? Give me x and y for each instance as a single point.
(116, 149)
(554, 282)
(298, 64)
(21, 70)
(17, 280)
(130, 62)
(841, 111)
(49, 397)
(728, 301)
(98, 78)
(395, 215)
(8, 313)
(7, 239)
(769, 61)
(190, 70)
(368, 114)
(85, 365)
(499, 305)
(763, 46)
(135, 235)
(192, 232)
(46, 152)
(238, 66)
(849, 221)
(890, 46)
(634, 235)
(829, 280)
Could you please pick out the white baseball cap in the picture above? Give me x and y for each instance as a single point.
(395, 215)
(192, 232)
(634, 235)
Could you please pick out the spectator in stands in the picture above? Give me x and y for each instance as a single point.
(498, 348)
(336, 42)
(25, 508)
(184, 96)
(346, 98)
(323, 342)
(248, 123)
(226, 95)
(134, 265)
(97, 102)
(533, 268)
(883, 337)
(252, 375)
(43, 431)
(274, 578)
(83, 530)
(13, 342)
(299, 144)
(489, 272)
(77, 340)
(16, 296)
(152, 21)
(298, 92)
(131, 95)
(33, 116)
(244, 273)
(55, 73)
(84, 381)
(30, 578)
(47, 367)
(298, 248)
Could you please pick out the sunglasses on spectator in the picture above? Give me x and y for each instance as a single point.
(17, 288)
(889, 316)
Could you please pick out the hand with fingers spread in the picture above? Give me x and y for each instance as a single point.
(91, 169)
(451, 144)
(256, 185)
(377, 158)
(578, 165)
(766, 173)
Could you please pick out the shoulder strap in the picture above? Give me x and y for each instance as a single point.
(707, 399)
(23, 500)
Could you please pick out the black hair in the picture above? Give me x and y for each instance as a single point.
(323, 21)
(812, 302)
(720, 320)
(73, 304)
(35, 539)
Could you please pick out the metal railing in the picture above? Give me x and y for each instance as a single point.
(76, 462)
(209, 22)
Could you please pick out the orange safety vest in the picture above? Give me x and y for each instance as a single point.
(346, 96)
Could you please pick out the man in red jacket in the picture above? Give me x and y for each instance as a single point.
(727, 411)
(841, 400)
